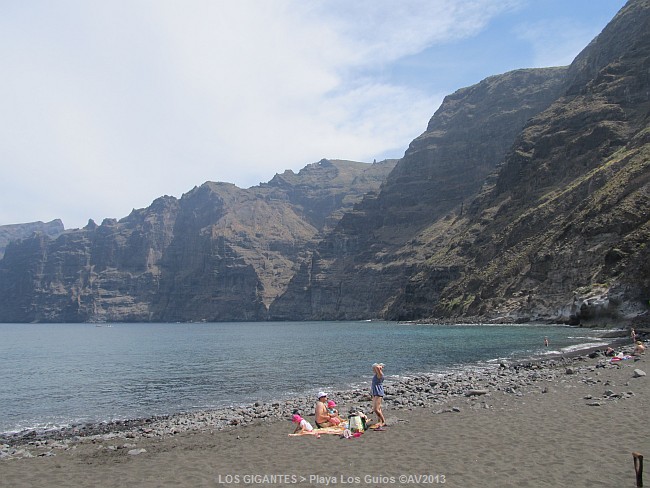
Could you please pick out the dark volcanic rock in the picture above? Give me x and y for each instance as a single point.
(368, 259)
(15, 232)
(218, 253)
(527, 198)
(560, 233)
(106, 272)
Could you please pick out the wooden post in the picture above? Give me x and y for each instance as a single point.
(638, 468)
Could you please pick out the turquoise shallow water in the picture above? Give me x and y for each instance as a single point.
(60, 374)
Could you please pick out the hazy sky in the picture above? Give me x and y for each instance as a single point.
(106, 105)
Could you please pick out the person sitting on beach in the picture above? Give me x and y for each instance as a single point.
(322, 416)
(639, 349)
(610, 352)
(333, 413)
(303, 426)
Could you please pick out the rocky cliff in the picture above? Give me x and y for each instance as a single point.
(16, 232)
(217, 253)
(560, 233)
(593, 187)
(361, 266)
(527, 198)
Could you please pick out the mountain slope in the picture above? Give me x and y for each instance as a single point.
(560, 234)
(527, 198)
(218, 253)
(359, 268)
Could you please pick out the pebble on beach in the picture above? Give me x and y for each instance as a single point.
(407, 393)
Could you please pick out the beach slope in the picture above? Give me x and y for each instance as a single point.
(569, 425)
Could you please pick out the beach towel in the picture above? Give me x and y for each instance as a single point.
(338, 430)
(619, 358)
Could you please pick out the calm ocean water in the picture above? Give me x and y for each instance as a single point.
(54, 375)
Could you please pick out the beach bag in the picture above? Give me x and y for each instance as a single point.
(356, 423)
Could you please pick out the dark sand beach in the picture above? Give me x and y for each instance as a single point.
(567, 422)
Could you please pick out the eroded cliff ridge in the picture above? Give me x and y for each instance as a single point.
(13, 232)
(217, 253)
(359, 269)
(561, 232)
(527, 198)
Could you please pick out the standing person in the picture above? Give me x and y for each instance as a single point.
(546, 341)
(377, 392)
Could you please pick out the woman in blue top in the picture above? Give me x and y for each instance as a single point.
(377, 392)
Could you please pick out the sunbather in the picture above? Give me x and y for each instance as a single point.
(639, 349)
(303, 426)
(323, 418)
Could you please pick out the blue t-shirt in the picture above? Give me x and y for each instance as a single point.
(377, 388)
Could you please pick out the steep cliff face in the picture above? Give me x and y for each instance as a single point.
(560, 233)
(464, 141)
(362, 265)
(218, 253)
(235, 251)
(106, 272)
(15, 232)
(527, 198)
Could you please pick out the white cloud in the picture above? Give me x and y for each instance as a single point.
(108, 105)
(381, 31)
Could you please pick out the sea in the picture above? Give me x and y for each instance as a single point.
(58, 375)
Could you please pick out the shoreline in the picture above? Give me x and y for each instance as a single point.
(570, 421)
(279, 410)
(100, 420)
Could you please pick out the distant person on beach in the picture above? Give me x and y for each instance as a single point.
(377, 392)
(633, 335)
(639, 348)
(303, 426)
(546, 341)
(322, 416)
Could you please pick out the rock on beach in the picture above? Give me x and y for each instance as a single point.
(408, 393)
(510, 436)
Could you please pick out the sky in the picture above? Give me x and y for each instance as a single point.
(106, 105)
